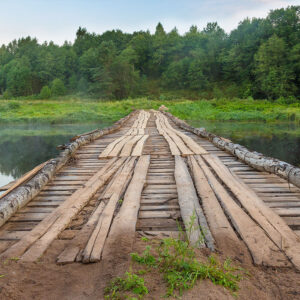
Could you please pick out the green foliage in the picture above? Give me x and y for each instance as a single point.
(260, 58)
(7, 95)
(274, 76)
(123, 288)
(87, 110)
(177, 261)
(45, 92)
(58, 87)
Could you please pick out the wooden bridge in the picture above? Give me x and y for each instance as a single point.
(145, 176)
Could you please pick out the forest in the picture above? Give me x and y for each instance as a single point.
(259, 59)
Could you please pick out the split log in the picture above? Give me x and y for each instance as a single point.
(196, 148)
(177, 140)
(116, 150)
(21, 195)
(280, 233)
(138, 149)
(70, 253)
(58, 220)
(94, 247)
(262, 248)
(189, 205)
(218, 223)
(254, 159)
(23, 179)
(122, 232)
(5, 187)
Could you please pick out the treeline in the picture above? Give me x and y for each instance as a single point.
(259, 59)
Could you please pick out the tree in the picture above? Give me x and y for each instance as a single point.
(273, 74)
(58, 87)
(45, 92)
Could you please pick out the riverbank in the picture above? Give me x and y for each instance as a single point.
(82, 111)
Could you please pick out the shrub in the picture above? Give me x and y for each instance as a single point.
(7, 95)
(58, 87)
(13, 105)
(45, 92)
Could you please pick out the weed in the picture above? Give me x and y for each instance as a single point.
(2, 275)
(122, 288)
(15, 258)
(146, 258)
(176, 260)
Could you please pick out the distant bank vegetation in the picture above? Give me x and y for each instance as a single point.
(259, 59)
(81, 111)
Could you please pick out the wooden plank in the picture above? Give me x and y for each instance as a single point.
(116, 150)
(177, 140)
(262, 249)
(94, 247)
(24, 178)
(275, 227)
(138, 149)
(126, 151)
(196, 148)
(7, 186)
(55, 222)
(110, 147)
(189, 205)
(70, 253)
(122, 233)
(218, 223)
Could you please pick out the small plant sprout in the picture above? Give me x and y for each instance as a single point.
(123, 288)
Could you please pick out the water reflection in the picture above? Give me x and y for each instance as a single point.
(281, 141)
(22, 147)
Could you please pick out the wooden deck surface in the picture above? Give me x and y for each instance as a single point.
(159, 211)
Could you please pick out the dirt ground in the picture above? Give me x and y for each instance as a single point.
(46, 280)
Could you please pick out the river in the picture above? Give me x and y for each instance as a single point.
(22, 147)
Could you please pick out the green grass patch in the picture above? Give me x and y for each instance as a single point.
(129, 286)
(176, 260)
(87, 110)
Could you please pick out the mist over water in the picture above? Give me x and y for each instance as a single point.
(22, 147)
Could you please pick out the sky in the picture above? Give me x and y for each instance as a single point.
(58, 20)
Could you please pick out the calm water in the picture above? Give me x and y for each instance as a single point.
(281, 141)
(22, 147)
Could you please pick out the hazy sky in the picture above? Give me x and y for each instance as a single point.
(58, 20)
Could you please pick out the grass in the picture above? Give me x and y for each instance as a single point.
(125, 287)
(178, 262)
(82, 111)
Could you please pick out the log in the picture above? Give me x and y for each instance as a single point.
(104, 154)
(262, 248)
(280, 233)
(24, 178)
(188, 202)
(177, 140)
(254, 159)
(21, 195)
(94, 247)
(122, 234)
(196, 148)
(70, 253)
(138, 149)
(7, 186)
(218, 223)
(116, 150)
(62, 215)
